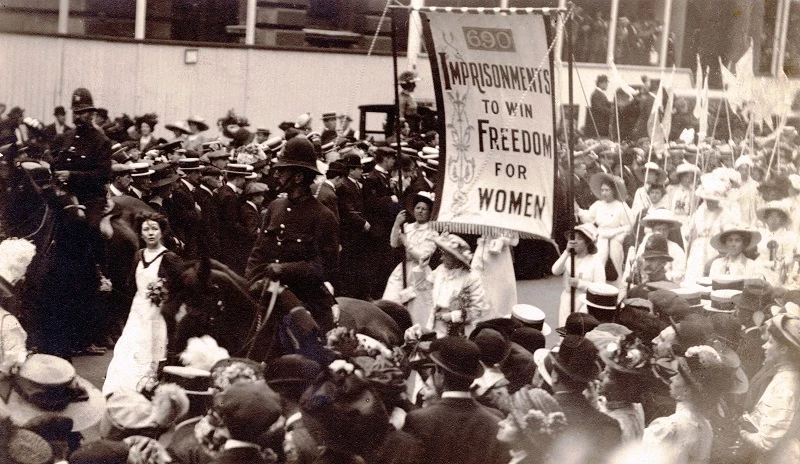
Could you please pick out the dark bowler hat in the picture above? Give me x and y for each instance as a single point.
(577, 359)
(656, 247)
(493, 345)
(189, 164)
(352, 161)
(336, 169)
(299, 152)
(457, 356)
(82, 101)
(578, 324)
(164, 175)
(757, 295)
(59, 111)
(292, 369)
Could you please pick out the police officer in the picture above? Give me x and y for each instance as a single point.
(299, 241)
(82, 164)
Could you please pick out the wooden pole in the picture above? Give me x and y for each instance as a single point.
(397, 127)
(571, 153)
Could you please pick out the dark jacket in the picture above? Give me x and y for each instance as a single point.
(327, 196)
(379, 208)
(300, 236)
(232, 234)
(209, 215)
(351, 211)
(186, 218)
(584, 422)
(457, 431)
(86, 153)
(601, 113)
(240, 456)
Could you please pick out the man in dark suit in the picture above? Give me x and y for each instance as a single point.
(595, 434)
(600, 119)
(207, 200)
(325, 192)
(120, 180)
(381, 205)
(353, 228)
(187, 212)
(232, 233)
(299, 241)
(646, 99)
(457, 429)
(59, 127)
(247, 410)
(250, 210)
(140, 180)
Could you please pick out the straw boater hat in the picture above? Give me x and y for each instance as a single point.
(722, 301)
(245, 170)
(598, 178)
(531, 316)
(189, 164)
(660, 216)
(456, 246)
(718, 241)
(46, 384)
(776, 205)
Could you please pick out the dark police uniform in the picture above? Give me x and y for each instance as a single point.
(301, 236)
(86, 154)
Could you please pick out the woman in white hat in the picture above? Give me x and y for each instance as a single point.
(589, 269)
(705, 223)
(732, 242)
(747, 193)
(459, 299)
(773, 437)
(416, 238)
(681, 194)
(660, 221)
(779, 243)
(613, 219)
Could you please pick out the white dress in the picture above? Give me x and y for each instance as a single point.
(613, 220)
(493, 262)
(143, 342)
(688, 432)
(705, 224)
(419, 238)
(588, 270)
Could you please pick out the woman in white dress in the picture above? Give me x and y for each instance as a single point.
(697, 388)
(417, 240)
(143, 343)
(778, 245)
(732, 243)
(613, 219)
(588, 269)
(707, 222)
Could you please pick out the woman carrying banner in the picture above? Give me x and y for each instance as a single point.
(588, 268)
(613, 219)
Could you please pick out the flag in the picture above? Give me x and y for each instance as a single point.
(703, 118)
(731, 86)
(698, 87)
(618, 82)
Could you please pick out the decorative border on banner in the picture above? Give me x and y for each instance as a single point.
(427, 36)
(476, 229)
(480, 10)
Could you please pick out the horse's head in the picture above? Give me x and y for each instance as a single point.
(215, 303)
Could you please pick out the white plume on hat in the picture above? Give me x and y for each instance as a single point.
(203, 352)
(16, 255)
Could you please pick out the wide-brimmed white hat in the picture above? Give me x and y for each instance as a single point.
(774, 205)
(653, 172)
(660, 215)
(685, 168)
(601, 177)
(718, 241)
(456, 246)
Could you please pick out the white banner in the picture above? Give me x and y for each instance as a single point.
(494, 93)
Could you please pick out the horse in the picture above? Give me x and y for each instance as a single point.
(209, 298)
(63, 277)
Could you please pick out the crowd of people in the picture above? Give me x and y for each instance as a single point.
(385, 340)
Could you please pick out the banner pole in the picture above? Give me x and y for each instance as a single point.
(570, 151)
(397, 164)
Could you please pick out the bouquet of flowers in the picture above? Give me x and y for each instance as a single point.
(157, 291)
